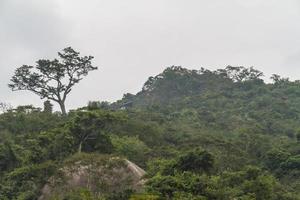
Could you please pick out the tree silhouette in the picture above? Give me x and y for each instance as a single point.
(53, 79)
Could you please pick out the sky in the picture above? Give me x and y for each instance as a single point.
(134, 39)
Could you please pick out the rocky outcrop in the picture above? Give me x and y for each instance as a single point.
(98, 173)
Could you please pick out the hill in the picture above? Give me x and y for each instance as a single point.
(199, 134)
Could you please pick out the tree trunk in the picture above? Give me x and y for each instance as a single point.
(63, 108)
(80, 147)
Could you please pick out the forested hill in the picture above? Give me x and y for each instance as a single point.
(226, 98)
(198, 134)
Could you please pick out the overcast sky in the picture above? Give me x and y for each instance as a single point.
(134, 39)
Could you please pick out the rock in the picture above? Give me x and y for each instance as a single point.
(100, 174)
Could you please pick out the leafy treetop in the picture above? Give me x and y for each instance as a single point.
(53, 79)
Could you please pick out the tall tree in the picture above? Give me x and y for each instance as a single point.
(53, 79)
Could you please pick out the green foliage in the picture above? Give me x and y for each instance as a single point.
(199, 134)
(250, 183)
(8, 158)
(165, 185)
(48, 107)
(195, 161)
(28, 119)
(275, 158)
(143, 197)
(88, 128)
(298, 137)
(25, 182)
(77, 194)
(293, 162)
(131, 147)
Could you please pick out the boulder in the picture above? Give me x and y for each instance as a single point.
(99, 174)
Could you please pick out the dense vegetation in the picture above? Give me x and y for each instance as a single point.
(205, 135)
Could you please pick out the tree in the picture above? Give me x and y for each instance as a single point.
(53, 79)
(88, 128)
(94, 105)
(196, 161)
(275, 158)
(130, 147)
(278, 80)
(240, 74)
(48, 107)
(8, 158)
(4, 107)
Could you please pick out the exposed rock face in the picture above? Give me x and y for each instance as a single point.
(99, 174)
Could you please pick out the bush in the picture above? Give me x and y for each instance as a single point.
(130, 147)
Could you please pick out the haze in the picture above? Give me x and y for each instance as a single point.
(134, 39)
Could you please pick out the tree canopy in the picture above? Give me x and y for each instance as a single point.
(53, 79)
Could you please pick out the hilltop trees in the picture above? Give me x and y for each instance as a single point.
(53, 79)
(240, 74)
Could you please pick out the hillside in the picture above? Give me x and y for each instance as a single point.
(226, 98)
(199, 134)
